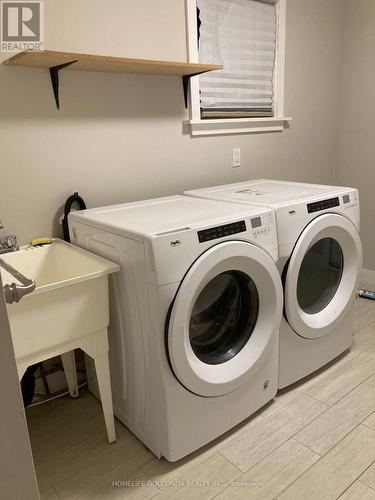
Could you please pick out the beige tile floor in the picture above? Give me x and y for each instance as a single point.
(315, 441)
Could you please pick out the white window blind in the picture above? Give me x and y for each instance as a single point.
(241, 35)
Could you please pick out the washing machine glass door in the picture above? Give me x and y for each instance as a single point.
(224, 318)
(321, 278)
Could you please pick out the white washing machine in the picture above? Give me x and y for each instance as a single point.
(320, 255)
(195, 315)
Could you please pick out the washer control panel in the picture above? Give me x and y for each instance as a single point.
(221, 231)
(318, 206)
(350, 201)
(261, 226)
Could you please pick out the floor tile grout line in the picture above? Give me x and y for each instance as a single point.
(368, 378)
(67, 478)
(286, 440)
(346, 489)
(179, 477)
(371, 325)
(351, 430)
(308, 447)
(144, 472)
(157, 493)
(362, 382)
(318, 400)
(58, 496)
(268, 454)
(360, 423)
(371, 354)
(309, 467)
(242, 473)
(296, 479)
(322, 456)
(339, 441)
(304, 472)
(90, 465)
(238, 433)
(313, 420)
(367, 468)
(358, 332)
(273, 451)
(229, 485)
(221, 491)
(263, 458)
(360, 480)
(200, 464)
(323, 372)
(95, 440)
(368, 427)
(230, 461)
(220, 450)
(64, 450)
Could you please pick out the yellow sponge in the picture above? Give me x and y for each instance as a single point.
(46, 240)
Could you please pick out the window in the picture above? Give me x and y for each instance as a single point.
(247, 37)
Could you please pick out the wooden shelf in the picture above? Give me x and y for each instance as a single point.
(86, 62)
(55, 61)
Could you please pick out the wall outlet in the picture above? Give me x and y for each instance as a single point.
(236, 158)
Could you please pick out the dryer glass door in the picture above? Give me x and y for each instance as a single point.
(225, 316)
(322, 273)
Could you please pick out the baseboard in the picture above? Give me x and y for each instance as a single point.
(367, 277)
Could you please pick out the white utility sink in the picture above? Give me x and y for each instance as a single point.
(70, 299)
(67, 310)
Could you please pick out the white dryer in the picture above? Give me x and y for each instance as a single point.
(195, 315)
(320, 255)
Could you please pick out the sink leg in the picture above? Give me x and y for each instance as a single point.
(70, 370)
(104, 383)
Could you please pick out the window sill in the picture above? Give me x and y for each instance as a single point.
(238, 126)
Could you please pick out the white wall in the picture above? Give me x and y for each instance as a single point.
(17, 473)
(119, 138)
(356, 125)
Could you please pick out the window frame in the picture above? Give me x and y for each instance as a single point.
(199, 126)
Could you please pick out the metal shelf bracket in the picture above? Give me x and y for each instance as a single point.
(185, 84)
(54, 73)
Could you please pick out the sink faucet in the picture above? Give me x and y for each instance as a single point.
(9, 243)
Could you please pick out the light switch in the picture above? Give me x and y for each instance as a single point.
(236, 162)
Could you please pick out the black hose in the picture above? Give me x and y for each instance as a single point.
(74, 198)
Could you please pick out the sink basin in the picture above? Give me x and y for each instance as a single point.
(56, 265)
(70, 300)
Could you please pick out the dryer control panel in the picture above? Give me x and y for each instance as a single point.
(317, 206)
(220, 231)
